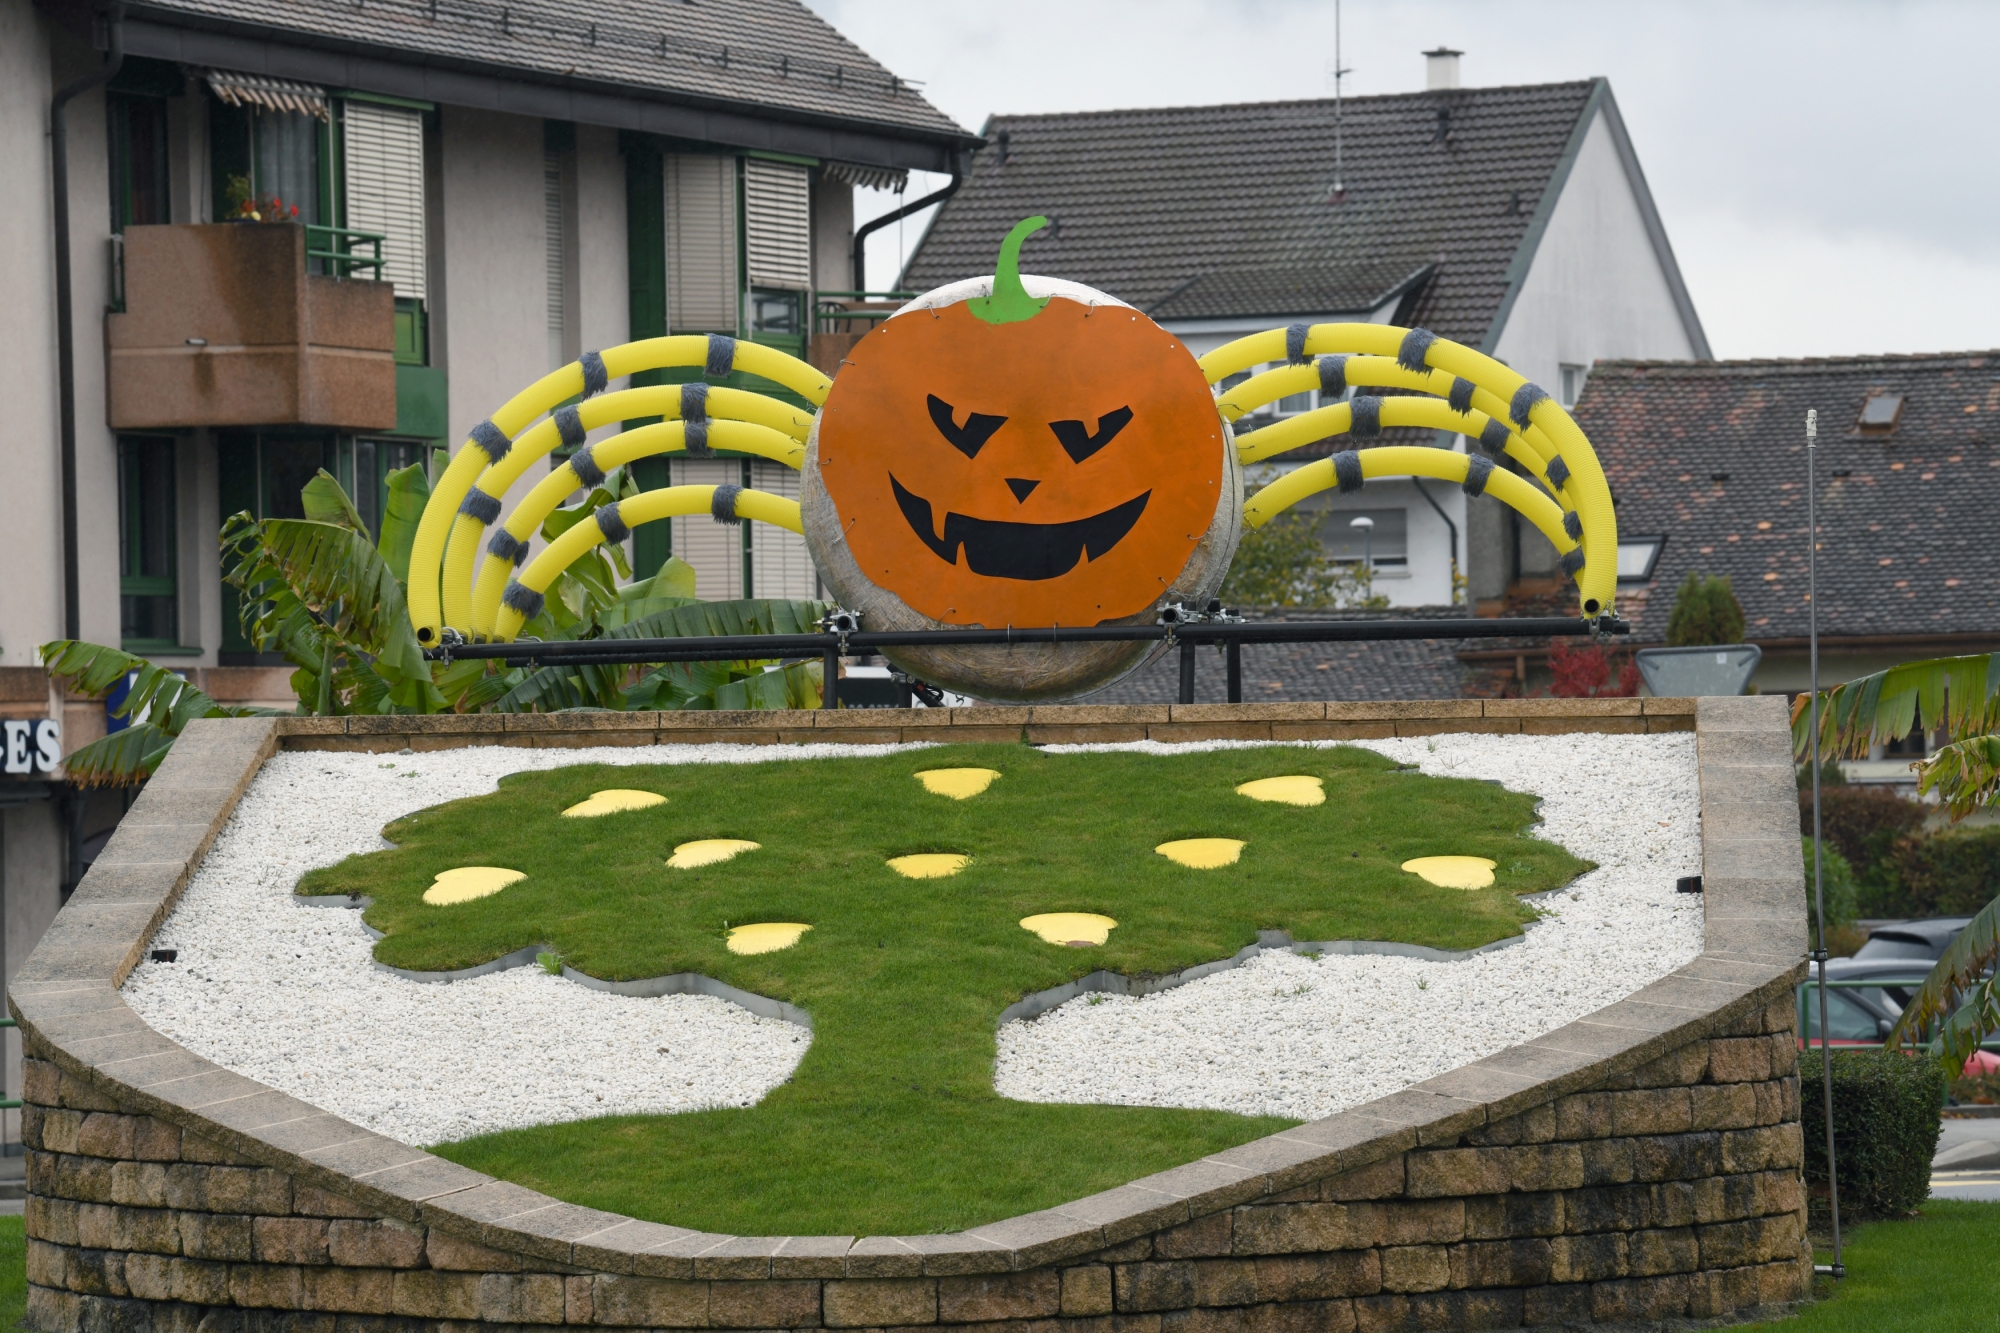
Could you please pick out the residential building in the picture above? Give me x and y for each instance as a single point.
(1707, 463)
(1515, 220)
(482, 191)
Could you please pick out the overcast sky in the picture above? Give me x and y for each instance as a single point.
(1826, 171)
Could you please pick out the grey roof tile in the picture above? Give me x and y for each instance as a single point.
(1228, 210)
(755, 53)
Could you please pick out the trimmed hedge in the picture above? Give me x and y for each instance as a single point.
(1885, 1129)
(1948, 874)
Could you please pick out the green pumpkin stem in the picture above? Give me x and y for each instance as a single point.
(1010, 302)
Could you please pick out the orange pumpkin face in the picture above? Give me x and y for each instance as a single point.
(1052, 470)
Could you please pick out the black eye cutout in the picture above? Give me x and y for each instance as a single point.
(1080, 444)
(968, 439)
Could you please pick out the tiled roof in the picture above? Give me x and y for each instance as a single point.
(1229, 210)
(1907, 520)
(760, 54)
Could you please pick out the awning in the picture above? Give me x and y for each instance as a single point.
(256, 90)
(869, 178)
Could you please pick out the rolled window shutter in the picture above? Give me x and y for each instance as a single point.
(702, 287)
(552, 252)
(777, 224)
(384, 149)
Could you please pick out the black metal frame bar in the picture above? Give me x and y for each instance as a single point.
(830, 646)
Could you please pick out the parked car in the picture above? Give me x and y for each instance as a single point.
(1927, 939)
(1860, 1016)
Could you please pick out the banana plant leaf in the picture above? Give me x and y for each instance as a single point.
(1960, 694)
(326, 502)
(409, 491)
(160, 705)
(1959, 994)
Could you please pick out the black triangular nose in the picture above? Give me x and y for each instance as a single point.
(1021, 487)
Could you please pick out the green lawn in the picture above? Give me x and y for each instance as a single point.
(1931, 1274)
(13, 1271)
(891, 1124)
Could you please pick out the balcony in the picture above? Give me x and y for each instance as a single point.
(224, 325)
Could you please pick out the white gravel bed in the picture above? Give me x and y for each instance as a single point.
(1292, 1036)
(287, 994)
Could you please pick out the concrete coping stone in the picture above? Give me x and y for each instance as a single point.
(66, 999)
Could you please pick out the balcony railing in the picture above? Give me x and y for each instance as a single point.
(854, 312)
(339, 249)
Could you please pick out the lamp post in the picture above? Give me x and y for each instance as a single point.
(1367, 527)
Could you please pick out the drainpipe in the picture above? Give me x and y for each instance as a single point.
(1450, 527)
(863, 232)
(114, 18)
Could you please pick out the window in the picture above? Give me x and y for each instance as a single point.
(1637, 557)
(285, 149)
(1384, 543)
(1880, 413)
(138, 132)
(149, 613)
(374, 460)
(702, 278)
(382, 161)
(1571, 381)
(1291, 405)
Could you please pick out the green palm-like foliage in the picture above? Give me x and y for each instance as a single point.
(1961, 695)
(160, 704)
(1959, 994)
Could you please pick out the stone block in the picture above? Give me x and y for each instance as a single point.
(1770, 1147)
(1456, 1171)
(430, 1295)
(149, 1277)
(1545, 1166)
(98, 1273)
(1380, 1180)
(1535, 1125)
(106, 1134)
(1608, 1161)
(139, 1184)
(384, 1244)
(348, 1290)
(880, 1302)
(199, 1282)
(265, 1286)
(40, 1080)
(1679, 1067)
(1565, 1305)
(1759, 1240)
(52, 1220)
(1583, 1115)
(1174, 1285)
(1654, 1252)
(1650, 1111)
(289, 1240)
(579, 1300)
(312, 1201)
(80, 1094)
(1416, 1268)
(1036, 1294)
(87, 1179)
(1739, 1060)
(1418, 1222)
(1313, 1277)
(57, 1129)
(1607, 1208)
(456, 1254)
(1299, 1228)
(1204, 1237)
(196, 1148)
(1500, 1263)
(1634, 1300)
(1678, 1156)
(53, 1311)
(48, 1265)
(1086, 1291)
(1505, 1216)
(242, 1189)
(146, 1230)
(94, 1226)
(1725, 1105)
(1587, 1258)
(215, 1236)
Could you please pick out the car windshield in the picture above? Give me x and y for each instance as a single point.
(1846, 1018)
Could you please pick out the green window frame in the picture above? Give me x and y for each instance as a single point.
(148, 580)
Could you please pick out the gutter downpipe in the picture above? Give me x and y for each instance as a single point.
(867, 229)
(114, 17)
(1450, 527)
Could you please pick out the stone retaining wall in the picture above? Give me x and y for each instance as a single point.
(1639, 1165)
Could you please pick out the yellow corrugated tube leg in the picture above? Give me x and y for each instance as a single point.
(716, 354)
(664, 437)
(1409, 460)
(696, 402)
(1498, 391)
(522, 600)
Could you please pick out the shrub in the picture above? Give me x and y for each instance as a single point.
(1586, 673)
(1705, 612)
(1836, 879)
(1865, 824)
(1885, 1129)
(1283, 564)
(1948, 874)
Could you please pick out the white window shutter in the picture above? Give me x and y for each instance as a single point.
(702, 290)
(777, 224)
(384, 150)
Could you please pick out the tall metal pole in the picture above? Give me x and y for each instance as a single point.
(1819, 889)
(1339, 73)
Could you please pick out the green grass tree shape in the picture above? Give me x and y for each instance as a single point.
(891, 1123)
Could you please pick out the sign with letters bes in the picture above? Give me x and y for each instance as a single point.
(30, 745)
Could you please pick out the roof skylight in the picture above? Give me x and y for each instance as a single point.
(1880, 411)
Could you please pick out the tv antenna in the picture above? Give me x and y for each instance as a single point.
(1339, 72)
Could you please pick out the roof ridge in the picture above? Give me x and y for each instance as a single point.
(1725, 366)
(994, 120)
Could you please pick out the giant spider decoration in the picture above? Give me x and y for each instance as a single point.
(1005, 451)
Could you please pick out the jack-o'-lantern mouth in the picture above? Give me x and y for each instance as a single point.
(1027, 551)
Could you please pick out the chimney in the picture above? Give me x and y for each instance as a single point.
(1441, 68)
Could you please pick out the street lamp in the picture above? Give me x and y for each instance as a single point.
(1367, 526)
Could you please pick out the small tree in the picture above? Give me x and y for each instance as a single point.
(1283, 564)
(1705, 612)
(1586, 673)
